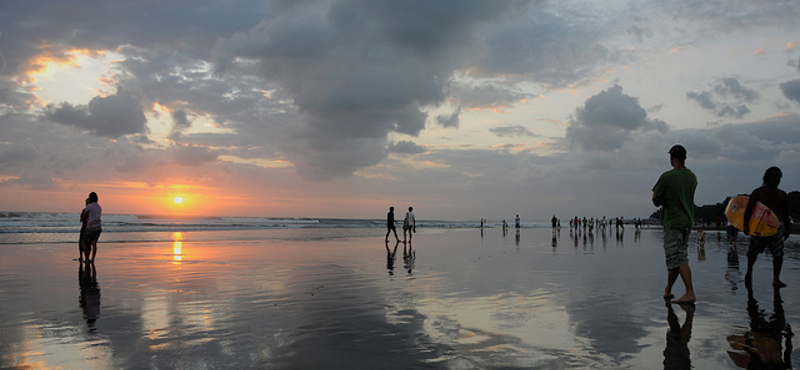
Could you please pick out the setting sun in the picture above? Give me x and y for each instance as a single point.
(178, 200)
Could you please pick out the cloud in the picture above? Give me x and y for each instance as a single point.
(110, 116)
(543, 46)
(607, 119)
(449, 121)
(180, 122)
(508, 131)
(17, 155)
(485, 95)
(193, 155)
(727, 98)
(407, 147)
(795, 63)
(791, 90)
(357, 71)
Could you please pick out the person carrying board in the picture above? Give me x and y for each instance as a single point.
(777, 201)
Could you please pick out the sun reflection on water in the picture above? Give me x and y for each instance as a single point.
(177, 247)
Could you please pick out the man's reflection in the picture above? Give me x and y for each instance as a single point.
(760, 348)
(676, 355)
(409, 258)
(90, 293)
(391, 254)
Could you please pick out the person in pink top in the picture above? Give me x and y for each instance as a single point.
(91, 217)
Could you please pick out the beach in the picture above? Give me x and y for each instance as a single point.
(342, 298)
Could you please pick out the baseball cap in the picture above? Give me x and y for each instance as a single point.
(678, 151)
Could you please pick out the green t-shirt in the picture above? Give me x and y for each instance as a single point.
(676, 189)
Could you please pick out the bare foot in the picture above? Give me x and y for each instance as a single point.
(686, 299)
(668, 295)
(778, 284)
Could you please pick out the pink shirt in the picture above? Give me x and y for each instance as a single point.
(93, 212)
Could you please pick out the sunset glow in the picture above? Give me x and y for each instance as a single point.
(178, 200)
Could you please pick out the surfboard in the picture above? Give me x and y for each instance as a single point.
(763, 222)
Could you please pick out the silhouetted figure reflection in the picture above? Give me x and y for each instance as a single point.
(760, 348)
(554, 242)
(90, 293)
(516, 238)
(732, 274)
(676, 355)
(391, 254)
(409, 258)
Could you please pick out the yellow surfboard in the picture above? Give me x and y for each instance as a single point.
(763, 222)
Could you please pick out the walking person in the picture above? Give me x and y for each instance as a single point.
(777, 201)
(409, 224)
(674, 192)
(93, 229)
(390, 226)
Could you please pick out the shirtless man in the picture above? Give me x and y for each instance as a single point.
(776, 200)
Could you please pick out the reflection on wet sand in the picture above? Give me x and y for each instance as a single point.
(90, 293)
(761, 346)
(320, 302)
(409, 258)
(391, 255)
(676, 355)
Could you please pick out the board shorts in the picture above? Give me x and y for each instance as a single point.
(676, 242)
(91, 235)
(390, 226)
(774, 243)
(406, 226)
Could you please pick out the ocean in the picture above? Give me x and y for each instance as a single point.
(53, 227)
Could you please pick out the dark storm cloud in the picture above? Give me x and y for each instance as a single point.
(407, 147)
(110, 116)
(510, 131)
(726, 98)
(791, 90)
(607, 119)
(357, 71)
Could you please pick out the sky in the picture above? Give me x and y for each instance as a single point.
(341, 108)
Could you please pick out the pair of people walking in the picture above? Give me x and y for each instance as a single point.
(409, 224)
(675, 190)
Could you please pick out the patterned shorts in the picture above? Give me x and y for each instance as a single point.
(676, 241)
(773, 243)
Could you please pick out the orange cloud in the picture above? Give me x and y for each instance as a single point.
(52, 59)
(790, 46)
(760, 51)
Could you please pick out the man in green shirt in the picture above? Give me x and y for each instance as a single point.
(674, 191)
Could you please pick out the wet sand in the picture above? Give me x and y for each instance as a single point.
(336, 299)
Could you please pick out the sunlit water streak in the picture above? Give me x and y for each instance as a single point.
(343, 299)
